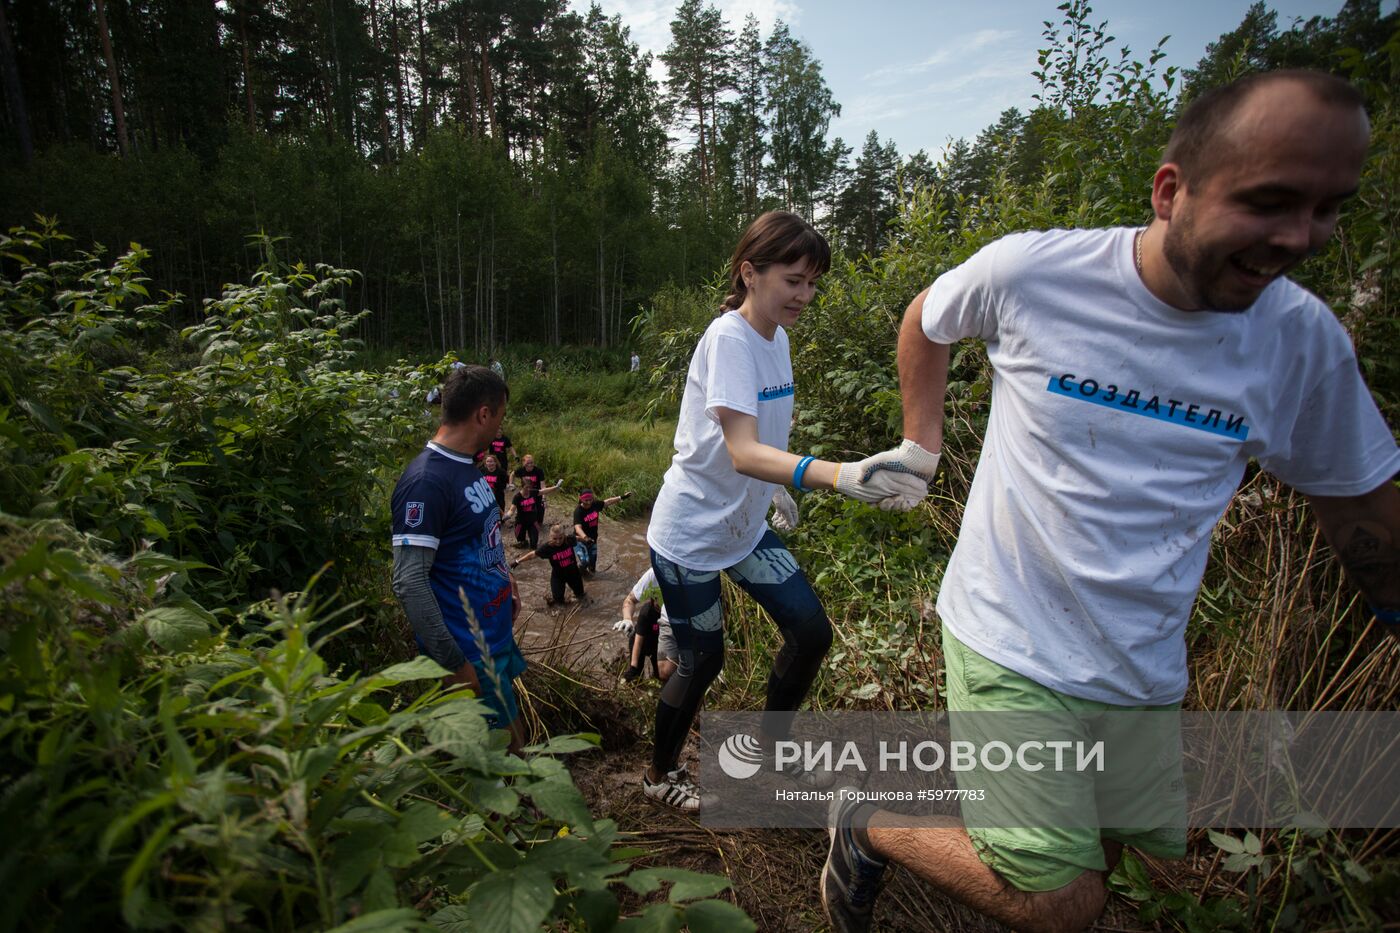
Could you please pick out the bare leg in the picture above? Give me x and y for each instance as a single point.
(939, 851)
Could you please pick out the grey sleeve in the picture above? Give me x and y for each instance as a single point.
(411, 565)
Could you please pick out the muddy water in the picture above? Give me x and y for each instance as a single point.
(577, 636)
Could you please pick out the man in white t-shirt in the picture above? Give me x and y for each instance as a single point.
(1136, 372)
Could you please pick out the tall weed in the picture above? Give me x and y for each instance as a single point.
(176, 774)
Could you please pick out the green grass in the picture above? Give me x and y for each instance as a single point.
(592, 430)
(586, 421)
(517, 358)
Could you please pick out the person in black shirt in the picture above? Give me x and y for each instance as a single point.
(496, 478)
(528, 509)
(528, 470)
(500, 446)
(563, 564)
(586, 526)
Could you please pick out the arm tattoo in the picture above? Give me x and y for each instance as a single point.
(1371, 558)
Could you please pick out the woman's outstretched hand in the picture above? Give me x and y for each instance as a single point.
(895, 479)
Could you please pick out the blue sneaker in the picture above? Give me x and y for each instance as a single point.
(851, 878)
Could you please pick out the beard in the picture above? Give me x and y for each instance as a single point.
(1190, 264)
(1207, 280)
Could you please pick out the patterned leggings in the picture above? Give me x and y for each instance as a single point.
(771, 576)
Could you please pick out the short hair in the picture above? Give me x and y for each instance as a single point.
(1195, 142)
(468, 388)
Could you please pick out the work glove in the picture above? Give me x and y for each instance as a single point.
(895, 479)
(623, 626)
(784, 511)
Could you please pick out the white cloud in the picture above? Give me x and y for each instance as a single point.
(977, 95)
(955, 51)
(650, 20)
(767, 11)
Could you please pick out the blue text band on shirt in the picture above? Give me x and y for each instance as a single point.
(769, 393)
(1186, 414)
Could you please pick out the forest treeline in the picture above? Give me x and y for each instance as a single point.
(496, 172)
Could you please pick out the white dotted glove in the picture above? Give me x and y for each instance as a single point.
(784, 511)
(623, 626)
(895, 479)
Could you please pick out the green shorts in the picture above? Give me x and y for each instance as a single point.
(1047, 854)
(498, 688)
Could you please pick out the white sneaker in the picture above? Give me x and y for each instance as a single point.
(675, 790)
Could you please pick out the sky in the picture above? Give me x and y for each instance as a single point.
(925, 72)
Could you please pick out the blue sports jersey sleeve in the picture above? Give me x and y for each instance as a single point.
(421, 511)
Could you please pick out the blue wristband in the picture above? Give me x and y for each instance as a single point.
(1386, 616)
(799, 472)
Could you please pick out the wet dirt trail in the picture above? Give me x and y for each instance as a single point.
(579, 636)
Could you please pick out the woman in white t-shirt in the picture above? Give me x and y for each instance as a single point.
(731, 450)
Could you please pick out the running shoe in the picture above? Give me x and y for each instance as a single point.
(676, 789)
(851, 878)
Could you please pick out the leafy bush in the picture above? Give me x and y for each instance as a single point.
(190, 777)
(243, 442)
(166, 765)
(667, 333)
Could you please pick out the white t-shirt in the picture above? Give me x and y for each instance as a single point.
(708, 516)
(1120, 428)
(648, 582)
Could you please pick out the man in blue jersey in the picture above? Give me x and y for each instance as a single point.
(450, 570)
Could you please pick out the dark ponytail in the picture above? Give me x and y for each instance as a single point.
(775, 238)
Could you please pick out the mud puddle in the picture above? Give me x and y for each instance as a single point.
(579, 636)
